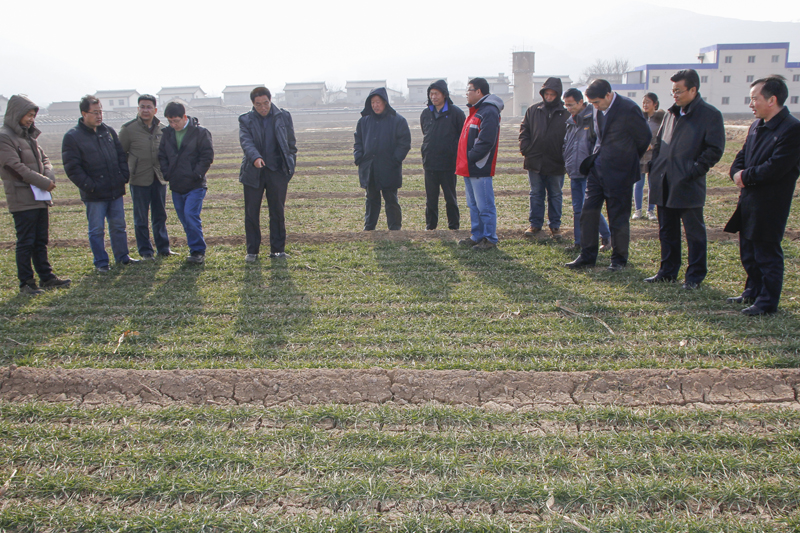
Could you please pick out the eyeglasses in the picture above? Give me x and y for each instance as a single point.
(262, 106)
(678, 93)
(95, 113)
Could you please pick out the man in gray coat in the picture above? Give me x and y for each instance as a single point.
(140, 139)
(691, 141)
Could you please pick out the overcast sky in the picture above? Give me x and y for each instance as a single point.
(60, 50)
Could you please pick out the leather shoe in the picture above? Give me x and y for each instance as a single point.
(580, 262)
(660, 278)
(167, 253)
(739, 300)
(755, 311)
(615, 267)
(691, 285)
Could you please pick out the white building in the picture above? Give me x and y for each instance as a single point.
(418, 89)
(239, 94)
(305, 94)
(67, 108)
(726, 72)
(187, 94)
(3, 105)
(357, 91)
(112, 100)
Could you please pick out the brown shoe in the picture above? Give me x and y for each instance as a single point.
(532, 232)
(485, 244)
(555, 233)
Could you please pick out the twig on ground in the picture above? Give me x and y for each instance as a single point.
(568, 311)
(7, 484)
(550, 501)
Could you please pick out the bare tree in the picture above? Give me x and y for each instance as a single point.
(611, 70)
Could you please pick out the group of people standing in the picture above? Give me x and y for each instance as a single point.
(607, 150)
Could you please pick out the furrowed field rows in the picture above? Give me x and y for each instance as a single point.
(390, 469)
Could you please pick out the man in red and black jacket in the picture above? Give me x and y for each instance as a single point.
(477, 157)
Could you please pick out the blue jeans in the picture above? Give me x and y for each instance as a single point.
(578, 187)
(97, 213)
(147, 199)
(542, 184)
(188, 207)
(482, 211)
(638, 194)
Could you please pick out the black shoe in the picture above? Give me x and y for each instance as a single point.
(103, 269)
(167, 253)
(740, 300)
(197, 258)
(148, 257)
(278, 255)
(30, 288)
(129, 261)
(660, 278)
(615, 267)
(580, 262)
(691, 285)
(55, 283)
(755, 311)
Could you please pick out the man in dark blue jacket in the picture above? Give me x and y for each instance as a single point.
(441, 124)
(382, 141)
(185, 155)
(95, 161)
(766, 171)
(266, 134)
(622, 137)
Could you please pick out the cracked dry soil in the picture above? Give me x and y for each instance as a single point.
(503, 390)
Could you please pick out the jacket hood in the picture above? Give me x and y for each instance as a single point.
(380, 91)
(491, 99)
(18, 107)
(554, 84)
(441, 86)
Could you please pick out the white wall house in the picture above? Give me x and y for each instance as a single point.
(112, 100)
(357, 91)
(418, 89)
(305, 94)
(240, 94)
(3, 105)
(66, 108)
(726, 72)
(187, 94)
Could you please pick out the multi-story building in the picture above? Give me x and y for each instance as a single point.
(726, 72)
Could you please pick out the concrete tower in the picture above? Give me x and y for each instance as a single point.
(522, 66)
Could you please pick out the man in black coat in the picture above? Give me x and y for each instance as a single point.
(185, 155)
(95, 161)
(766, 171)
(441, 124)
(382, 141)
(266, 134)
(622, 137)
(691, 141)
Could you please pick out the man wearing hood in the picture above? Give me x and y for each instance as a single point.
(185, 155)
(477, 157)
(26, 172)
(382, 141)
(690, 141)
(441, 124)
(95, 161)
(541, 139)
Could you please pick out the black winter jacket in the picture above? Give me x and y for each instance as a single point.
(185, 169)
(542, 131)
(95, 162)
(248, 138)
(686, 147)
(381, 144)
(440, 133)
(770, 165)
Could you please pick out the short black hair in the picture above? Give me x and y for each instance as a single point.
(87, 102)
(573, 93)
(598, 89)
(481, 85)
(653, 97)
(260, 91)
(774, 85)
(174, 109)
(149, 98)
(689, 77)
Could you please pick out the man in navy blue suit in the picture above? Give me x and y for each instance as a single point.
(622, 137)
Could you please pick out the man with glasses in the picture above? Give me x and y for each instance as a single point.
(140, 139)
(690, 141)
(266, 134)
(95, 161)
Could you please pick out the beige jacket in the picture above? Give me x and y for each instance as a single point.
(22, 162)
(141, 145)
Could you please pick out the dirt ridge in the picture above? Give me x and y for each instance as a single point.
(500, 390)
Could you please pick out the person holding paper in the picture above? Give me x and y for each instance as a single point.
(28, 179)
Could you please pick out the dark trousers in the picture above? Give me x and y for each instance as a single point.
(394, 215)
(618, 205)
(669, 233)
(274, 185)
(447, 181)
(150, 200)
(33, 227)
(763, 263)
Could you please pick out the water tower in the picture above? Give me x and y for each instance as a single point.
(522, 67)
